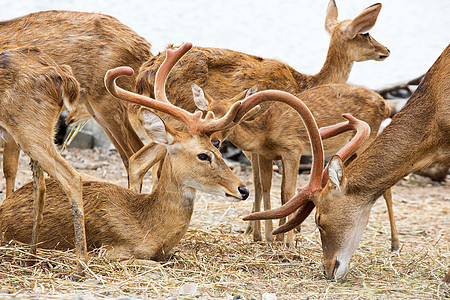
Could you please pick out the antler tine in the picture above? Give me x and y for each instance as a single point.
(113, 89)
(172, 57)
(362, 133)
(314, 183)
(192, 120)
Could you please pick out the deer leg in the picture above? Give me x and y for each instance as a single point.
(140, 162)
(44, 152)
(38, 202)
(395, 242)
(11, 155)
(255, 226)
(265, 174)
(288, 186)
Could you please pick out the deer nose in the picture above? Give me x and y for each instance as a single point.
(244, 192)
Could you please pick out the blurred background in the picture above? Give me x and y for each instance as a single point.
(293, 31)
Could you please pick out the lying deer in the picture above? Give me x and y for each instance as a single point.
(91, 44)
(146, 225)
(33, 91)
(406, 145)
(278, 134)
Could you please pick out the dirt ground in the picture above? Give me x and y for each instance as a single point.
(216, 260)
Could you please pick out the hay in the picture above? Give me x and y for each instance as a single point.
(215, 260)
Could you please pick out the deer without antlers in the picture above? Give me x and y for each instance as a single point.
(225, 73)
(132, 224)
(91, 44)
(33, 91)
(406, 145)
(278, 134)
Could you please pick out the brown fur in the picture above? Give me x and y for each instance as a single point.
(418, 136)
(90, 44)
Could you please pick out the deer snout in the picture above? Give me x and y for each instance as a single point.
(244, 192)
(330, 267)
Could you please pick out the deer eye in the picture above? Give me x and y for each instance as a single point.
(204, 156)
(318, 224)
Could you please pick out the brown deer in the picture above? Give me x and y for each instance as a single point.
(225, 73)
(91, 44)
(146, 225)
(418, 136)
(33, 91)
(278, 134)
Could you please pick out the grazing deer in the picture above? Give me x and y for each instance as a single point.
(33, 91)
(278, 134)
(418, 136)
(91, 44)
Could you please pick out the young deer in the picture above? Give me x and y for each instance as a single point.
(91, 44)
(406, 145)
(278, 134)
(33, 91)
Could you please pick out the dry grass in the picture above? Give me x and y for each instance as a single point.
(215, 260)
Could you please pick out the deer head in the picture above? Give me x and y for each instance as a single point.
(205, 103)
(353, 35)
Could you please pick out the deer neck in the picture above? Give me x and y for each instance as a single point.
(168, 209)
(336, 69)
(402, 148)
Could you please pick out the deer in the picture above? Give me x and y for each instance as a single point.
(277, 134)
(407, 144)
(33, 92)
(223, 72)
(105, 43)
(146, 226)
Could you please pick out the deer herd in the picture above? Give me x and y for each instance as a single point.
(187, 100)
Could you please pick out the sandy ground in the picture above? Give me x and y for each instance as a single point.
(422, 214)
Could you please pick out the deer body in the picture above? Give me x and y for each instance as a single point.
(90, 44)
(224, 73)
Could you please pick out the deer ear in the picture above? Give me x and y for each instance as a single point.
(155, 127)
(199, 97)
(251, 91)
(364, 21)
(336, 173)
(331, 18)
(70, 86)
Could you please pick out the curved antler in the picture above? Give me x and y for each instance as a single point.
(314, 183)
(194, 121)
(361, 136)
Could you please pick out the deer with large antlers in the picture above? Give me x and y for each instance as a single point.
(277, 134)
(33, 91)
(129, 223)
(407, 144)
(90, 44)
(223, 73)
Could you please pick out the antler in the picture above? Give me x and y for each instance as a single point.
(362, 133)
(301, 201)
(194, 121)
(314, 183)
